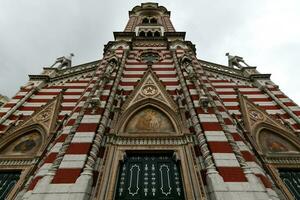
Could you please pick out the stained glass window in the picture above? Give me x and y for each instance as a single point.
(291, 179)
(7, 182)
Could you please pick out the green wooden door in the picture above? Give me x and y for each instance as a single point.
(149, 177)
(7, 182)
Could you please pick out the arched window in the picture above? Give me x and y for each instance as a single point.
(149, 34)
(145, 21)
(153, 21)
(156, 34)
(142, 34)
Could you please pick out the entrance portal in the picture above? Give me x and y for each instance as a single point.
(149, 177)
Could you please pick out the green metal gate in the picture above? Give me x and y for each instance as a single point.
(291, 178)
(149, 177)
(7, 182)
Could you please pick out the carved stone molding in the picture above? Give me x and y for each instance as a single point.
(150, 140)
(149, 88)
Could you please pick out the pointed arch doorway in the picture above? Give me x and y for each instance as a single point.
(149, 149)
(149, 174)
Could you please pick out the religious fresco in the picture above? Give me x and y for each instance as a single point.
(149, 120)
(274, 143)
(25, 144)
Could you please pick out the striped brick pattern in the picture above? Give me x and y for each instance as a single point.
(225, 159)
(74, 159)
(134, 71)
(225, 87)
(223, 91)
(78, 150)
(74, 84)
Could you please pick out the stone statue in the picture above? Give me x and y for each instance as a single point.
(236, 61)
(179, 98)
(65, 61)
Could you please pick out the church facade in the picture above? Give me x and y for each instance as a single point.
(150, 120)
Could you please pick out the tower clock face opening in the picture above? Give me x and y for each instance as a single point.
(149, 176)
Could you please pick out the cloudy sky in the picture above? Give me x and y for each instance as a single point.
(34, 33)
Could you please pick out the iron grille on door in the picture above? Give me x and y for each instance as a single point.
(291, 179)
(7, 182)
(149, 177)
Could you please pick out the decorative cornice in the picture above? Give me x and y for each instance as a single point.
(17, 162)
(175, 34)
(118, 35)
(224, 70)
(259, 76)
(64, 76)
(149, 7)
(41, 77)
(150, 140)
(283, 160)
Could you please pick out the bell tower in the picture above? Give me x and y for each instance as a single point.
(149, 18)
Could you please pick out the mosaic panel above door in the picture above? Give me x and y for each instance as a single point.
(149, 120)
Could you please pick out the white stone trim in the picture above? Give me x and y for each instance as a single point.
(44, 169)
(235, 103)
(56, 147)
(265, 103)
(90, 119)
(73, 161)
(224, 89)
(83, 137)
(215, 136)
(242, 146)
(208, 118)
(277, 111)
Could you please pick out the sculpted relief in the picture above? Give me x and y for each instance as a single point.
(149, 120)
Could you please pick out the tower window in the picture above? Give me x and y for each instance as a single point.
(145, 21)
(149, 34)
(153, 21)
(142, 34)
(156, 34)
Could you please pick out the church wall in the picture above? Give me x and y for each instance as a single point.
(82, 159)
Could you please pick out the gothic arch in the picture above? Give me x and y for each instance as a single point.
(145, 20)
(142, 34)
(128, 114)
(273, 140)
(153, 20)
(27, 142)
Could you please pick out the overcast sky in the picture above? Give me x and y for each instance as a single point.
(33, 33)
